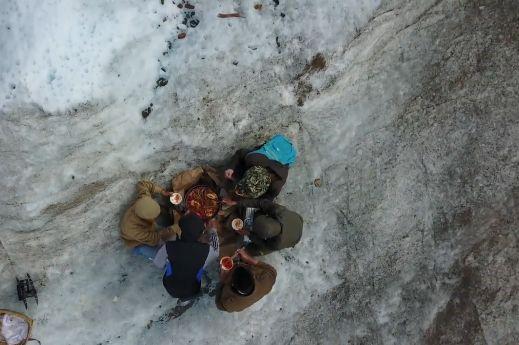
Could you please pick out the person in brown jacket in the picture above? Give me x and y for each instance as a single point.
(248, 282)
(138, 229)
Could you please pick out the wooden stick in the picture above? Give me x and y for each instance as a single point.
(229, 15)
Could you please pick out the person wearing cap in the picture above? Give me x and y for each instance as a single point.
(274, 227)
(255, 175)
(138, 229)
(186, 259)
(248, 282)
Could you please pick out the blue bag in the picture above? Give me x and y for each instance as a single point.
(279, 148)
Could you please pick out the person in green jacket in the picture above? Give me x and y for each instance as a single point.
(274, 227)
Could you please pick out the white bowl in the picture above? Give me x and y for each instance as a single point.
(175, 198)
(237, 224)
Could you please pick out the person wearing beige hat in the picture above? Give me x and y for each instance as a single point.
(138, 228)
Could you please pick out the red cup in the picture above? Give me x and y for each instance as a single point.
(226, 263)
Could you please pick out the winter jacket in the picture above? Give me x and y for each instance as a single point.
(243, 159)
(291, 227)
(205, 175)
(136, 231)
(185, 265)
(264, 279)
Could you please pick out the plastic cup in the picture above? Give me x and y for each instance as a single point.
(226, 263)
(237, 224)
(175, 198)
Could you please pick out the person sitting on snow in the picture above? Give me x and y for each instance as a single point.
(274, 227)
(262, 171)
(139, 230)
(186, 259)
(248, 282)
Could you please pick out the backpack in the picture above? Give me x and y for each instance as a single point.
(280, 149)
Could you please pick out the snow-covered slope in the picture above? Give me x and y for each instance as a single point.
(405, 111)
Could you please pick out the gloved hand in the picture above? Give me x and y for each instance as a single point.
(171, 233)
(175, 230)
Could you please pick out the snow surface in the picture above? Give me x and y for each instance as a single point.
(74, 78)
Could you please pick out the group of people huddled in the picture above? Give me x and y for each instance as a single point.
(226, 216)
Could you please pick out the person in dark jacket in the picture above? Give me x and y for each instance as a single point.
(252, 184)
(248, 282)
(274, 227)
(187, 257)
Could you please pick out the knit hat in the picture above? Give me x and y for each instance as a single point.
(192, 227)
(242, 281)
(266, 227)
(254, 183)
(147, 208)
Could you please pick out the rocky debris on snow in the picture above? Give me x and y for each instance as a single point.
(304, 87)
(161, 82)
(146, 112)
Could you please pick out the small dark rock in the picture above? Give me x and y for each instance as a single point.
(276, 3)
(282, 15)
(182, 35)
(163, 69)
(235, 63)
(189, 6)
(73, 177)
(277, 42)
(194, 23)
(146, 112)
(162, 82)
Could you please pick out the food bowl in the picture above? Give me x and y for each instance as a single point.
(226, 263)
(202, 201)
(237, 224)
(175, 198)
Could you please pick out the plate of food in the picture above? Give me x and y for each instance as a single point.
(202, 201)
